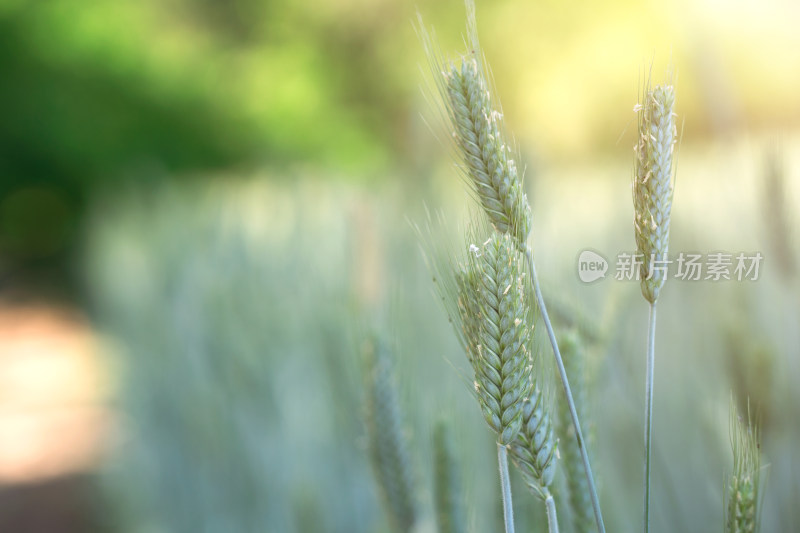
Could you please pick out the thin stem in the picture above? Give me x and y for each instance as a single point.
(505, 485)
(552, 518)
(648, 412)
(598, 516)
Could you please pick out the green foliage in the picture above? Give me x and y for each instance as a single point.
(74, 122)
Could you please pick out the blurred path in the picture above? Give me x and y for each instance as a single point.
(53, 417)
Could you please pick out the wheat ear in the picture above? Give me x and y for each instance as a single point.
(494, 317)
(534, 452)
(742, 514)
(652, 202)
(579, 495)
(493, 173)
(447, 484)
(476, 123)
(653, 184)
(388, 448)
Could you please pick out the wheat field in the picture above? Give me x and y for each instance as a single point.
(235, 313)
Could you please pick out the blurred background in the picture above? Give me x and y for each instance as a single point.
(206, 206)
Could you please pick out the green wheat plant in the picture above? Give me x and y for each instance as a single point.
(653, 186)
(494, 317)
(743, 490)
(487, 161)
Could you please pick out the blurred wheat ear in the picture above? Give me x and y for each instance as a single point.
(580, 503)
(388, 448)
(450, 517)
(743, 491)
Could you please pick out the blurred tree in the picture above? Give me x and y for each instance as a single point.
(67, 127)
(97, 91)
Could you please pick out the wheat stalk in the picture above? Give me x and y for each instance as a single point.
(573, 412)
(652, 201)
(388, 448)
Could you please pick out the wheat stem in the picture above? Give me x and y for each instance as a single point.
(505, 486)
(552, 517)
(648, 409)
(598, 516)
